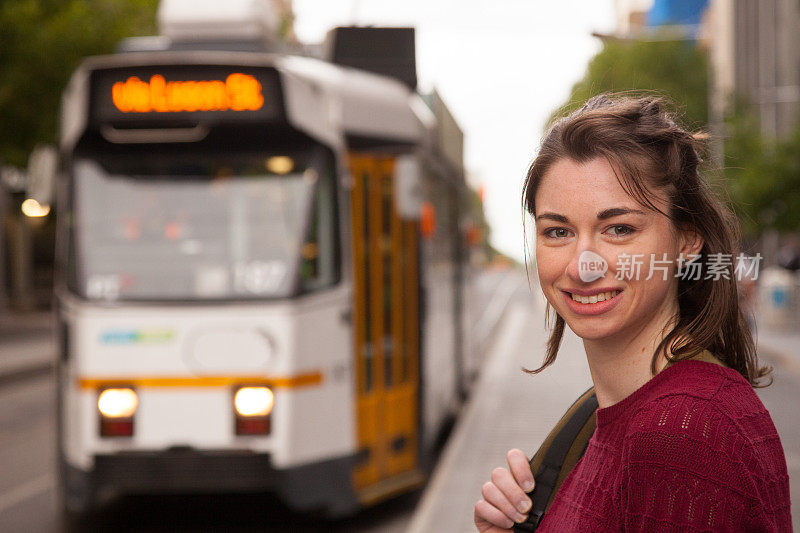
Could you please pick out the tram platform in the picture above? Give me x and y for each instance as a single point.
(508, 409)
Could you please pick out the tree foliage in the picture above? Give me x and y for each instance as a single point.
(674, 68)
(41, 43)
(763, 174)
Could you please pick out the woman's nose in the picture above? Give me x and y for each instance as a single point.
(573, 270)
(587, 265)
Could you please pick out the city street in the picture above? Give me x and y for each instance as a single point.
(263, 262)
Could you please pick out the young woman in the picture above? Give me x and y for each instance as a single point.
(621, 215)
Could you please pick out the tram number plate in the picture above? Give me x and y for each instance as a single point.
(259, 277)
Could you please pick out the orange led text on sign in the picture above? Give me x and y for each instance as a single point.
(239, 92)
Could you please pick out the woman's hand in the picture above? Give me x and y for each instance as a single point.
(504, 500)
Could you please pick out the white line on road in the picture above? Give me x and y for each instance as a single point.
(29, 489)
(503, 293)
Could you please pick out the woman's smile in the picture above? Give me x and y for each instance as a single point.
(585, 302)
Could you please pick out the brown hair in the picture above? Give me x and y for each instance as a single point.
(649, 150)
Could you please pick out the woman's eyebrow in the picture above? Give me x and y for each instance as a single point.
(552, 216)
(617, 211)
(602, 215)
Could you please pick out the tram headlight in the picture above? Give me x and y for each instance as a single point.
(280, 164)
(117, 406)
(117, 403)
(252, 406)
(254, 401)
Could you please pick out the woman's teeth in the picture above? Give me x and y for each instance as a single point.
(594, 298)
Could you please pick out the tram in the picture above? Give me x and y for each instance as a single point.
(260, 278)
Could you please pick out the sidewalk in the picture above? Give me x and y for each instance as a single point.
(507, 409)
(779, 347)
(27, 344)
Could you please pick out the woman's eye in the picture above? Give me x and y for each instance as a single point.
(621, 230)
(556, 233)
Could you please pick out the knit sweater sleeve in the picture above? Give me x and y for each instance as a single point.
(683, 470)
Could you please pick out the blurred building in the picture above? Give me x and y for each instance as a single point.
(269, 22)
(686, 14)
(638, 19)
(755, 61)
(631, 16)
(27, 246)
(753, 51)
(755, 56)
(286, 18)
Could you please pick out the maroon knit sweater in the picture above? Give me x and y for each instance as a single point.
(693, 449)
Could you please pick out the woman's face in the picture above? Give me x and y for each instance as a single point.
(582, 212)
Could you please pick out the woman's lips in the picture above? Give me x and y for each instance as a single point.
(591, 308)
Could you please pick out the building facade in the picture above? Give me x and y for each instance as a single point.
(755, 56)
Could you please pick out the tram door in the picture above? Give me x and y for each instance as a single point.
(386, 331)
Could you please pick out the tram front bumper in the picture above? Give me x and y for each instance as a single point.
(190, 471)
(324, 484)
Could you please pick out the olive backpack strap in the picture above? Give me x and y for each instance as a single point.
(558, 455)
(703, 355)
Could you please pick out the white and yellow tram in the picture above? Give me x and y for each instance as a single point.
(260, 279)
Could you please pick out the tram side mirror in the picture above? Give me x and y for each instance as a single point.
(42, 168)
(408, 187)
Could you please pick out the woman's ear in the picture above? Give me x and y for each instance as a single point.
(691, 242)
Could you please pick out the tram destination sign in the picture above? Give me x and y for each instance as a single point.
(157, 94)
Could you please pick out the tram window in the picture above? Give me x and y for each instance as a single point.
(319, 265)
(444, 203)
(386, 252)
(200, 227)
(368, 340)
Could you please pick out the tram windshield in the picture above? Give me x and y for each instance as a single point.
(203, 227)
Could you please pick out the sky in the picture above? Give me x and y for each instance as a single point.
(502, 67)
